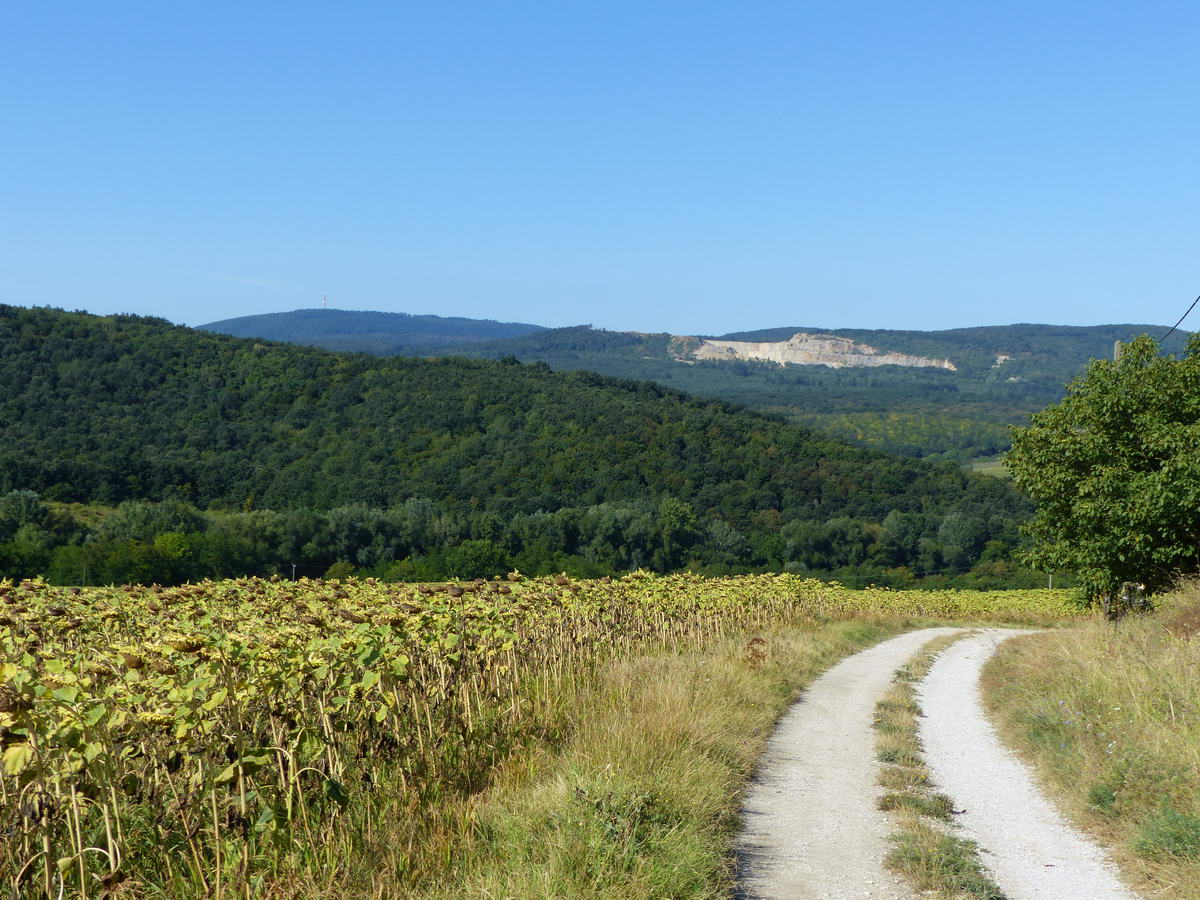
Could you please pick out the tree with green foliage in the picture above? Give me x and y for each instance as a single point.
(1115, 471)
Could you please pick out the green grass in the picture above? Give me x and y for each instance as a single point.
(940, 864)
(992, 465)
(918, 801)
(924, 849)
(1170, 833)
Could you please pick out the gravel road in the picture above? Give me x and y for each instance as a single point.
(811, 828)
(1032, 853)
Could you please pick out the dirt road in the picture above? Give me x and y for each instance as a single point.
(1032, 853)
(811, 828)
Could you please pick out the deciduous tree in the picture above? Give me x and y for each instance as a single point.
(1115, 471)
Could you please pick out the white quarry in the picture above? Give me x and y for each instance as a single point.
(813, 350)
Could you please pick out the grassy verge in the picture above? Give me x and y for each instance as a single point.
(638, 797)
(1109, 716)
(641, 800)
(925, 851)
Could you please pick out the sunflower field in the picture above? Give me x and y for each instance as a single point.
(198, 740)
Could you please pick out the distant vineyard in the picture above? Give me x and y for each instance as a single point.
(206, 738)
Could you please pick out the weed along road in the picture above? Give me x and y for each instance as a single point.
(811, 823)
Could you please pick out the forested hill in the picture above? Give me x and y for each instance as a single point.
(1003, 373)
(108, 409)
(999, 353)
(382, 333)
(1057, 350)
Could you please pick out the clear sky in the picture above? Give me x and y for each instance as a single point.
(659, 166)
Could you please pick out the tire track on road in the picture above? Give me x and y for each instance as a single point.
(1031, 851)
(811, 824)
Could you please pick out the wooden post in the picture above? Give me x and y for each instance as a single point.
(1116, 351)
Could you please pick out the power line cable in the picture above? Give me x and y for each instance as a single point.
(1180, 322)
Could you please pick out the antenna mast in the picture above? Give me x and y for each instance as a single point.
(324, 301)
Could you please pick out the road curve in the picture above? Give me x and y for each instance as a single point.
(1031, 852)
(811, 827)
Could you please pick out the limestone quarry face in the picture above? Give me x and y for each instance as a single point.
(813, 350)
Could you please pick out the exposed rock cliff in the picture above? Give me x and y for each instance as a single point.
(813, 350)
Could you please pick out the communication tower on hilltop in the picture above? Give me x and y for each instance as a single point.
(324, 301)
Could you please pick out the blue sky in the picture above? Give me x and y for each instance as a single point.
(689, 167)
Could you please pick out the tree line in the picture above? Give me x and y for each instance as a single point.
(173, 541)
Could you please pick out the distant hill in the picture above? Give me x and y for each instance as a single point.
(997, 375)
(380, 333)
(1001, 374)
(441, 467)
(1058, 350)
(1023, 350)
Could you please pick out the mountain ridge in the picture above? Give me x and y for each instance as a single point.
(1002, 374)
(368, 331)
(363, 331)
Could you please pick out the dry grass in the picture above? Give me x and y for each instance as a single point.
(924, 848)
(636, 789)
(1109, 717)
(642, 800)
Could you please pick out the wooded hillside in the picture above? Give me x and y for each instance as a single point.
(112, 409)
